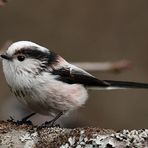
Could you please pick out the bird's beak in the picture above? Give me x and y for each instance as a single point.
(6, 56)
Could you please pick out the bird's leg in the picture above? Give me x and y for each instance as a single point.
(25, 119)
(51, 122)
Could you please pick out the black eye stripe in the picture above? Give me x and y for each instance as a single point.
(35, 53)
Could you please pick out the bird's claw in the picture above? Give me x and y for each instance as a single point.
(19, 122)
(28, 122)
(48, 124)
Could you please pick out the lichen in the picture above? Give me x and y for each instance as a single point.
(12, 135)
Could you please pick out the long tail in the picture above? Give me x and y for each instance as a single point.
(126, 84)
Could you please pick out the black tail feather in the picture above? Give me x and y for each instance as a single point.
(126, 84)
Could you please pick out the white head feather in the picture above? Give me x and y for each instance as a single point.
(23, 44)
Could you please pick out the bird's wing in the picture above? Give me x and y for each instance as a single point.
(73, 75)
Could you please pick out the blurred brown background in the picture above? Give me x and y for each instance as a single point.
(87, 31)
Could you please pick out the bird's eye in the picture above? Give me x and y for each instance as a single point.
(21, 58)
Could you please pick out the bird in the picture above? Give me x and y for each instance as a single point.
(49, 85)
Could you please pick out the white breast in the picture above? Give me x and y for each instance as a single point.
(43, 93)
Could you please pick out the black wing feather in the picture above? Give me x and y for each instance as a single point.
(125, 84)
(78, 76)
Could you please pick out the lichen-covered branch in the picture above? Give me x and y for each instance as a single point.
(28, 136)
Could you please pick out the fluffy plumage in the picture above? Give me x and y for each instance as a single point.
(46, 82)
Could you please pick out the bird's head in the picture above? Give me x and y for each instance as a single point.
(27, 57)
(24, 60)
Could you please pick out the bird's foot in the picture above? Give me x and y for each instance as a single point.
(23, 121)
(19, 122)
(48, 124)
(28, 122)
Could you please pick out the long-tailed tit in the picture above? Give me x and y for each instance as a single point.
(46, 82)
